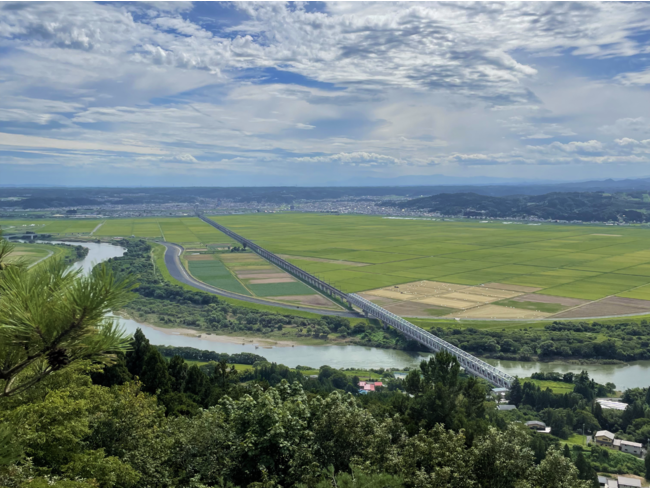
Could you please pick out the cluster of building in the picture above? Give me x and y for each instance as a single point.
(607, 439)
(366, 387)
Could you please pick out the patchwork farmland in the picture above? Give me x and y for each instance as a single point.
(248, 274)
(491, 270)
(415, 268)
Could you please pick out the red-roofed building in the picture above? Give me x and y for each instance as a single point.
(369, 387)
(362, 384)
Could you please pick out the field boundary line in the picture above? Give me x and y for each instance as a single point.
(97, 228)
(161, 232)
(234, 275)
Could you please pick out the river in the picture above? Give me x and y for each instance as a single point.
(630, 375)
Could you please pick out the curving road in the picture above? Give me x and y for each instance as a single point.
(178, 272)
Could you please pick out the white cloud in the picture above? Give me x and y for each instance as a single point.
(354, 159)
(446, 85)
(25, 141)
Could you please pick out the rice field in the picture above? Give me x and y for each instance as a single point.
(584, 263)
(186, 231)
(362, 253)
(248, 274)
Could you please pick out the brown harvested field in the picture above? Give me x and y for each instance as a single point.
(196, 250)
(251, 275)
(491, 292)
(534, 297)
(607, 306)
(271, 280)
(448, 302)
(429, 288)
(415, 309)
(498, 312)
(316, 300)
(461, 295)
(503, 286)
(200, 257)
(322, 260)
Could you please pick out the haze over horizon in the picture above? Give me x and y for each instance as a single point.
(211, 94)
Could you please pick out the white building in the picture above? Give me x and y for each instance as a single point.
(631, 448)
(624, 482)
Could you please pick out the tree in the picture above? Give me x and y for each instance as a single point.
(516, 394)
(647, 464)
(155, 376)
(567, 452)
(52, 318)
(223, 375)
(139, 349)
(413, 382)
(115, 374)
(555, 471)
(177, 368)
(197, 383)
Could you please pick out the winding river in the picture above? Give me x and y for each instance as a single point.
(630, 375)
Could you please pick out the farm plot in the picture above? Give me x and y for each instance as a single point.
(61, 227)
(249, 274)
(361, 254)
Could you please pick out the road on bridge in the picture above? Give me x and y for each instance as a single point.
(178, 272)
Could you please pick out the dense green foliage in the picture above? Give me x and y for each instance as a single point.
(586, 207)
(193, 354)
(627, 340)
(149, 433)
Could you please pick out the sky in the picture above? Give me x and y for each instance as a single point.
(238, 94)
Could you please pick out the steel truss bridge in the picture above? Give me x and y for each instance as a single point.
(471, 364)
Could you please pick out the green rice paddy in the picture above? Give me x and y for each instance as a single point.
(357, 253)
(215, 273)
(577, 261)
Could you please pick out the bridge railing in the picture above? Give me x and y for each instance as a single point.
(488, 371)
(471, 363)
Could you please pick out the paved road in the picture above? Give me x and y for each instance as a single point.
(179, 273)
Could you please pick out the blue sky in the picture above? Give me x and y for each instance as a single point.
(308, 94)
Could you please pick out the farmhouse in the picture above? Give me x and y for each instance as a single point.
(604, 438)
(368, 386)
(631, 447)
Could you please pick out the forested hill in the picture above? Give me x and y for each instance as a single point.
(584, 206)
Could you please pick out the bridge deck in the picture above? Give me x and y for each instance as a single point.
(471, 364)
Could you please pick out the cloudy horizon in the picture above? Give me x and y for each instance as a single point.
(162, 94)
